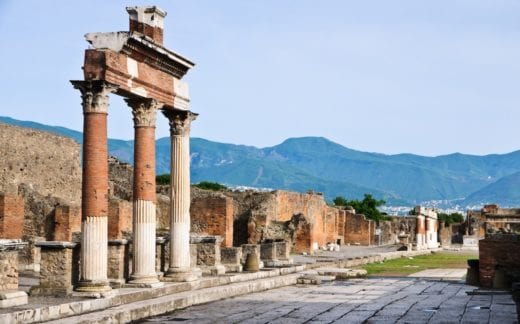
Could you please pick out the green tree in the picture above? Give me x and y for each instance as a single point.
(340, 201)
(452, 218)
(163, 179)
(207, 185)
(367, 206)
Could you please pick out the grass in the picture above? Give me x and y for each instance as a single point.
(406, 266)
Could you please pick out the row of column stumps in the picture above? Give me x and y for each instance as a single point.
(94, 240)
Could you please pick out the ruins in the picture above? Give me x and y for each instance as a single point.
(101, 224)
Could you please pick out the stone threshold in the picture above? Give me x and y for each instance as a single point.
(130, 304)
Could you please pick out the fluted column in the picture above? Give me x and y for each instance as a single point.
(180, 265)
(94, 194)
(144, 200)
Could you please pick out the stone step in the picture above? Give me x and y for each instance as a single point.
(131, 295)
(164, 304)
(342, 273)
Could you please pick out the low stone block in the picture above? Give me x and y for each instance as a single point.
(10, 298)
(268, 251)
(59, 268)
(231, 255)
(118, 262)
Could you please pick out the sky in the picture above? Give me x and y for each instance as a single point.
(416, 76)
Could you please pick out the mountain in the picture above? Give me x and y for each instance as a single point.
(504, 191)
(319, 164)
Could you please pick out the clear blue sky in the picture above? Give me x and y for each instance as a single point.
(425, 77)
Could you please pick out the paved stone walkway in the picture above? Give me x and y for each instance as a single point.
(444, 274)
(376, 300)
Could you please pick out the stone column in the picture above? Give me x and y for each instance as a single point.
(179, 263)
(143, 224)
(94, 194)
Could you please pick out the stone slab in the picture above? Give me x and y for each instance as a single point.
(11, 298)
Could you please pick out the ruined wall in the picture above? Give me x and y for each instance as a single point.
(213, 214)
(358, 229)
(48, 163)
(67, 222)
(120, 179)
(499, 251)
(11, 216)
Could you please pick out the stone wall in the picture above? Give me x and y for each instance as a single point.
(47, 162)
(8, 270)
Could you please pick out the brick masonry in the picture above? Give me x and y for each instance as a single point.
(67, 221)
(119, 219)
(500, 251)
(11, 216)
(213, 215)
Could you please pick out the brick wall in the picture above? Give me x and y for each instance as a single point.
(11, 216)
(213, 215)
(358, 229)
(67, 220)
(119, 219)
(499, 251)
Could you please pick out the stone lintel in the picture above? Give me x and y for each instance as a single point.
(118, 242)
(216, 239)
(56, 244)
(11, 245)
(148, 51)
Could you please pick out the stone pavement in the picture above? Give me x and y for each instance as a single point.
(376, 300)
(442, 274)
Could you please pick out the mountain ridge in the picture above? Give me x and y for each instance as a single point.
(317, 163)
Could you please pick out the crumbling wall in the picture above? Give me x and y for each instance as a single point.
(499, 252)
(212, 214)
(11, 216)
(46, 162)
(358, 229)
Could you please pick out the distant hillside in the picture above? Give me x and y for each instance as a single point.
(319, 164)
(505, 192)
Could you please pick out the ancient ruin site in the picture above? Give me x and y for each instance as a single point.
(89, 237)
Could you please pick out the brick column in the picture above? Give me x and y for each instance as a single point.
(143, 224)
(179, 263)
(94, 192)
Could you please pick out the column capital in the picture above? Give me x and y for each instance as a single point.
(94, 95)
(144, 111)
(180, 121)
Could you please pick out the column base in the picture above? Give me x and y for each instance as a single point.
(182, 274)
(143, 281)
(93, 287)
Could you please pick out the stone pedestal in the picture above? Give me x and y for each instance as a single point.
(59, 269)
(180, 264)
(275, 254)
(251, 249)
(206, 254)
(160, 256)
(231, 258)
(118, 262)
(9, 294)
